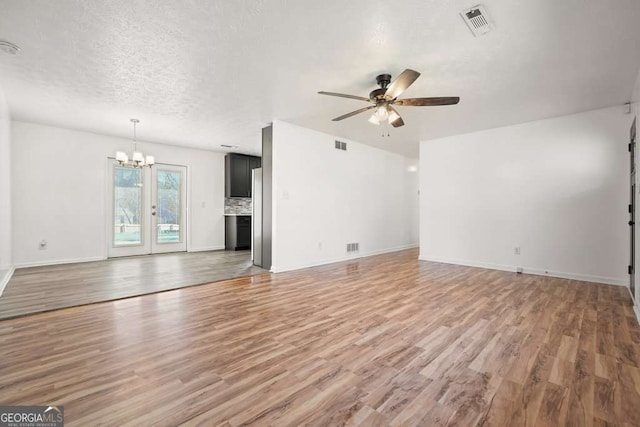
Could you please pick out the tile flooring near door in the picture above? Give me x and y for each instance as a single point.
(37, 289)
(385, 340)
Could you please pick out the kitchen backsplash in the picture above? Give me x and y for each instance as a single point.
(237, 205)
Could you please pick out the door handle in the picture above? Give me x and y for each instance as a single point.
(632, 223)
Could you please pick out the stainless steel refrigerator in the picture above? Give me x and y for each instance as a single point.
(256, 218)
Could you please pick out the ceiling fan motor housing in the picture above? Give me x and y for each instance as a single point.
(377, 94)
(383, 80)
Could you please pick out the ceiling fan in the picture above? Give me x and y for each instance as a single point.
(385, 97)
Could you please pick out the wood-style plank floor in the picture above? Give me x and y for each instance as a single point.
(385, 340)
(37, 289)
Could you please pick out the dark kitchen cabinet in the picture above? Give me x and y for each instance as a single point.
(238, 169)
(254, 163)
(237, 232)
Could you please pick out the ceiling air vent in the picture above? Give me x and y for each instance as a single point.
(477, 20)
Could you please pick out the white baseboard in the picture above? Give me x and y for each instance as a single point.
(580, 277)
(346, 258)
(632, 296)
(478, 264)
(208, 248)
(59, 261)
(636, 310)
(5, 279)
(527, 270)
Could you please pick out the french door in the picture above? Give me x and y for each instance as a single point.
(147, 209)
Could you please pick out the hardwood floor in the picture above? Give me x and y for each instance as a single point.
(37, 289)
(385, 340)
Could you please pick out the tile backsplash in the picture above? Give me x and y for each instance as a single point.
(237, 205)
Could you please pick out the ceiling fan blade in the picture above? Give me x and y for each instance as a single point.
(426, 102)
(353, 113)
(397, 122)
(342, 95)
(401, 83)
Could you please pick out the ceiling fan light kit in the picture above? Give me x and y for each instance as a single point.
(393, 116)
(382, 113)
(386, 96)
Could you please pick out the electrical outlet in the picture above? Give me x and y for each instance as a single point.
(42, 245)
(516, 250)
(519, 270)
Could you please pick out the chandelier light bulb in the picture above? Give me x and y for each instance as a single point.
(374, 120)
(138, 157)
(122, 157)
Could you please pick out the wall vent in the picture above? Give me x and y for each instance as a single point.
(477, 20)
(341, 145)
(353, 247)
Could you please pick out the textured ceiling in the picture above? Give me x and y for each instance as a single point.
(210, 72)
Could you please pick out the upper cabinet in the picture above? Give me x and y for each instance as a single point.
(237, 168)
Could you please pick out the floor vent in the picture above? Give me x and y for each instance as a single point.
(477, 20)
(341, 145)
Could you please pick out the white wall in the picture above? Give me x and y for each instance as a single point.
(59, 192)
(556, 188)
(6, 260)
(324, 198)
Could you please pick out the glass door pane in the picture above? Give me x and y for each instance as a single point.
(169, 207)
(127, 205)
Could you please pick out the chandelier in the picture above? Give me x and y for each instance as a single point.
(137, 160)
